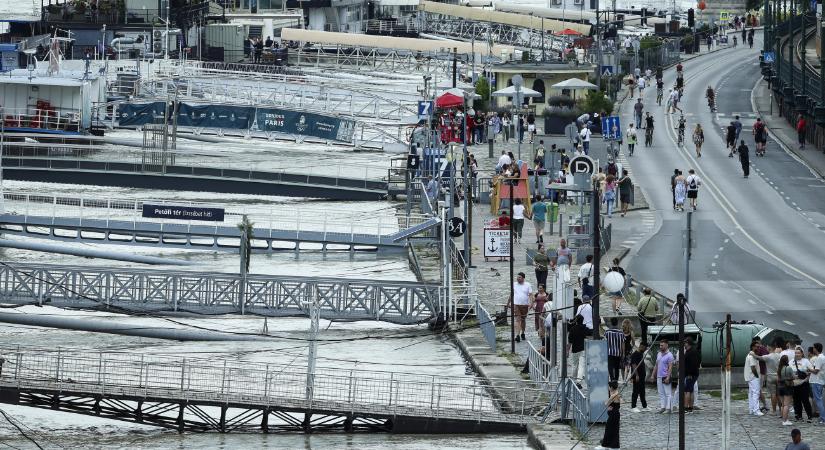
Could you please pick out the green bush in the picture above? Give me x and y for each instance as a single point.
(596, 101)
(561, 101)
(483, 90)
(649, 42)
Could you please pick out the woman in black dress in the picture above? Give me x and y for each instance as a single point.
(611, 431)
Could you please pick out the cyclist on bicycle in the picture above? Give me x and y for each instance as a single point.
(660, 91)
(711, 96)
(681, 128)
(648, 130)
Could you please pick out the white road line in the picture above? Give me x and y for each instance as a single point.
(768, 312)
(721, 248)
(727, 240)
(715, 256)
(751, 301)
(713, 265)
(812, 333)
(788, 322)
(715, 273)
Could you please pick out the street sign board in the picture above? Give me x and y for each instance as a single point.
(582, 164)
(769, 57)
(607, 71)
(425, 108)
(572, 132)
(183, 212)
(611, 127)
(457, 227)
(724, 16)
(496, 243)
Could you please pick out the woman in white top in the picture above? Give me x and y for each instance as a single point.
(518, 218)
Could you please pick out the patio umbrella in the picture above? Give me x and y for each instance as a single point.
(510, 91)
(575, 84)
(449, 100)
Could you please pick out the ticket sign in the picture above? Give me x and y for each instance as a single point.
(496, 243)
(183, 212)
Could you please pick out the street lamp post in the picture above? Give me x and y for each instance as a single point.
(517, 82)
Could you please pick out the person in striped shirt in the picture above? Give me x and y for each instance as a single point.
(615, 343)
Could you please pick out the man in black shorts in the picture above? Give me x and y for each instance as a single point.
(692, 363)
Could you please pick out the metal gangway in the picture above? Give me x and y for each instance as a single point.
(190, 171)
(200, 395)
(121, 221)
(208, 293)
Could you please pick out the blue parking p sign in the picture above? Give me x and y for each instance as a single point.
(611, 128)
(424, 110)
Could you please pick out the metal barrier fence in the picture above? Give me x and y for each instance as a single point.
(487, 324)
(216, 293)
(182, 380)
(575, 406)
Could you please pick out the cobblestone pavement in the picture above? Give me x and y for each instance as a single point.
(650, 430)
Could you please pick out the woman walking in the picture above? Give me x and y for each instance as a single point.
(784, 381)
(538, 309)
(698, 139)
(625, 191)
(609, 194)
(801, 387)
(680, 191)
(506, 126)
(629, 340)
(611, 430)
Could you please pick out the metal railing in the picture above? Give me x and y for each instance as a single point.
(123, 212)
(542, 371)
(264, 385)
(371, 59)
(144, 290)
(46, 119)
(180, 162)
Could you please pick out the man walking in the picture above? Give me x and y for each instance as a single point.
(693, 182)
(637, 109)
(818, 379)
(801, 125)
(575, 340)
(744, 158)
(647, 309)
(662, 370)
(585, 310)
(585, 137)
(738, 125)
(796, 441)
(752, 378)
(692, 364)
(522, 297)
(541, 263)
(615, 343)
(586, 278)
(539, 217)
(638, 373)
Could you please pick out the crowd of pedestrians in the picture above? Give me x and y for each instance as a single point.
(479, 127)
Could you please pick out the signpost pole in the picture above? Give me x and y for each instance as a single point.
(512, 299)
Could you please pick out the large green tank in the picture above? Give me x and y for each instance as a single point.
(711, 340)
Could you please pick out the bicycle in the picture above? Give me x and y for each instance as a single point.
(659, 94)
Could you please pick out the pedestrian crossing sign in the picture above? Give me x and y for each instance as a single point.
(724, 16)
(768, 57)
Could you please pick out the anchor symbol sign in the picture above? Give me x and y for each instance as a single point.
(492, 247)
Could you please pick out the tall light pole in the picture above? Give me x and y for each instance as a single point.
(517, 82)
(166, 40)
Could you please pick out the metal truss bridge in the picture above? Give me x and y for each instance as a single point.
(198, 395)
(163, 291)
(113, 221)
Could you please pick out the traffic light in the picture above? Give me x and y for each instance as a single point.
(690, 18)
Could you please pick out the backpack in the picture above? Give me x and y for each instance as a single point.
(693, 185)
(760, 130)
(612, 169)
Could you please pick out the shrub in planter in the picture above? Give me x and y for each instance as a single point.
(561, 101)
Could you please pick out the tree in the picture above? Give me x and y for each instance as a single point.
(753, 5)
(483, 91)
(596, 102)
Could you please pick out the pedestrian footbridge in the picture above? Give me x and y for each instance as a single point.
(199, 395)
(208, 293)
(113, 221)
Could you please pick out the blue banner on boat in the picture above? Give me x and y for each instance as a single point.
(215, 116)
(131, 114)
(183, 212)
(306, 124)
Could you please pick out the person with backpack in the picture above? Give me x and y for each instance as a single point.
(760, 136)
(744, 158)
(693, 182)
(647, 309)
(698, 139)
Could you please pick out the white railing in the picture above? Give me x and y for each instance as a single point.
(51, 119)
(264, 385)
(265, 218)
(487, 325)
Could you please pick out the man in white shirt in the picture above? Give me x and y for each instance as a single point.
(693, 182)
(503, 161)
(817, 371)
(586, 277)
(585, 137)
(586, 311)
(522, 297)
(752, 377)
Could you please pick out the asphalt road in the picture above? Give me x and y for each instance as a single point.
(761, 240)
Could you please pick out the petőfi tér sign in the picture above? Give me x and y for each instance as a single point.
(182, 212)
